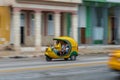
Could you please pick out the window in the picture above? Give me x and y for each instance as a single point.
(50, 17)
(32, 16)
(32, 24)
(99, 16)
(50, 24)
(22, 16)
(22, 20)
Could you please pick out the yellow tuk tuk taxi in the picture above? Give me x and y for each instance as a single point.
(114, 61)
(65, 48)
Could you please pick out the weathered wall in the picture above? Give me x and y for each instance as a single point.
(4, 25)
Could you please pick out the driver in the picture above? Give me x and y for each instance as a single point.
(57, 47)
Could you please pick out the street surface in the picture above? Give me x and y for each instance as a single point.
(84, 68)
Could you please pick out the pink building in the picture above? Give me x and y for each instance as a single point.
(35, 22)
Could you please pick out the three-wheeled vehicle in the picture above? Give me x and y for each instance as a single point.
(114, 61)
(65, 48)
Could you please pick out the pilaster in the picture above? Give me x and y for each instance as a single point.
(38, 16)
(75, 26)
(16, 28)
(57, 18)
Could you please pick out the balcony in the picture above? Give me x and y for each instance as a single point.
(69, 1)
(65, 1)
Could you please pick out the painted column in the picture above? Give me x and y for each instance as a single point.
(75, 26)
(38, 25)
(57, 18)
(117, 24)
(93, 25)
(88, 25)
(119, 28)
(68, 22)
(16, 27)
(105, 24)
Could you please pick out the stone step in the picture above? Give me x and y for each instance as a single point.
(22, 54)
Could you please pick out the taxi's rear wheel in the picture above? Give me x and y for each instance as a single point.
(66, 59)
(73, 57)
(48, 58)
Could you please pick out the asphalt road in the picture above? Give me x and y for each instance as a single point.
(84, 68)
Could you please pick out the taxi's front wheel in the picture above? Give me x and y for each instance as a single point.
(73, 57)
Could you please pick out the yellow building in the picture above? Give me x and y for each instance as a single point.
(4, 24)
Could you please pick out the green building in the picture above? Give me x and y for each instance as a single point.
(99, 22)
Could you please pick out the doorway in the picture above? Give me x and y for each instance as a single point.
(83, 39)
(22, 35)
(113, 30)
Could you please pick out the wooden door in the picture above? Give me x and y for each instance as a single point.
(83, 40)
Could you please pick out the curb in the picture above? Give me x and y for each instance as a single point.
(39, 56)
(22, 56)
(42, 55)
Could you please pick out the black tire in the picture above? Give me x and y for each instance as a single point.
(65, 59)
(73, 57)
(48, 58)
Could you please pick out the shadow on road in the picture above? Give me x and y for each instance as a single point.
(117, 77)
(59, 60)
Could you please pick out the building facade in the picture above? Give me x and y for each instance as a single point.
(99, 22)
(4, 24)
(34, 23)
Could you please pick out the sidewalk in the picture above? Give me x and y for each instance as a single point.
(83, 50)
(97, 49)
(16, 54)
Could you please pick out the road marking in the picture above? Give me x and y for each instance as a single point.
(49, 67)
(99, 58)
(23, 63)
(77, 72)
